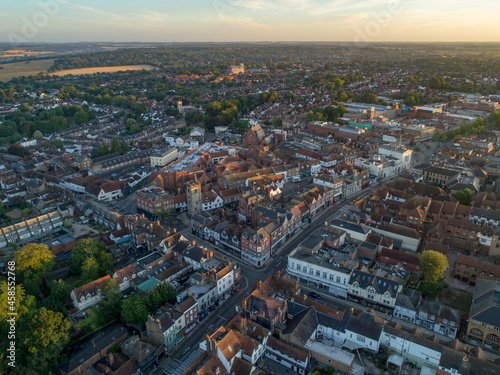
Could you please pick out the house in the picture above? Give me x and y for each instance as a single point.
(89, 294)
(437, 317)
(406, 305)
(110, 191)
(373, 289)
(364, 331)
(469, 269)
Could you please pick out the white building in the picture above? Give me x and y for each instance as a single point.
(163, 157)
(319, 270)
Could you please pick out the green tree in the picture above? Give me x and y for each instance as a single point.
(33, 262)
(24, 108)
(90, 270)
(41, 338)
(464, 196)
(37, 134)
(167, 292)
(134, 310)
(87, 248)
(433, 264)
(125, 146)
(115, 145)
(439, 137)
(110, 301)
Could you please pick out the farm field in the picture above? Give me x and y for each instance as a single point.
(18, 69)
(102, 69)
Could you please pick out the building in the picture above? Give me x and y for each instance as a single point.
(194, 198)
(469, 269)
(484, 318)
(374, 290)
(255, 246)
(440, 176)
(323, 271)
(163, 157)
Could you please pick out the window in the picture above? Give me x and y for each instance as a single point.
(311, 271)
(338, 279)
(331, 277)
(318, 273)
(360, 338)
(324, 275)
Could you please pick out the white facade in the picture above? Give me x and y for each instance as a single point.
(411, 350)
(161, 159)
(334, 278)
(362, 341)
(110, 196)
(212, 205)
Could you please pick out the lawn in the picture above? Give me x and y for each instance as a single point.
(25, 68)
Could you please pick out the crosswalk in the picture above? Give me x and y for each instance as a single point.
(177, 367)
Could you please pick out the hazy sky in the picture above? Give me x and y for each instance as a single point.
(248, 20)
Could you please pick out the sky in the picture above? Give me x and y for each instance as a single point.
(248, 20)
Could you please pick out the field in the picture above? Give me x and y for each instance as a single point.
(103, 69)
(11, 70)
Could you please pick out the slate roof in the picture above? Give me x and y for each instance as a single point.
(365, 325)
(486, 302)
(380, 284)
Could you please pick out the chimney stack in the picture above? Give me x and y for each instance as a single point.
(111, 359)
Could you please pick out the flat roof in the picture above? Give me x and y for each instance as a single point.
(328, 349)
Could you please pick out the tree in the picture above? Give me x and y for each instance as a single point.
(90, 270)
(439, 137)
(464, 196)
(41, 337)
(115, 145)
(125, 146)
(58, 294)
(433, 264)
(134, 310)
(33, 262)
(167, 292)
(24, 108)
(17, 149)
(37, 134)
(23, 303)
(110, 300)
(87, 248)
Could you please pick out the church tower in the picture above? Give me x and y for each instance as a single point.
(193, 192)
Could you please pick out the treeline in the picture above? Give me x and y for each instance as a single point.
(24, 122)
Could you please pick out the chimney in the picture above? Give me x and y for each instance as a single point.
(175, 230)
(465, 361)
(93, 343)
(111, 359)
(278, 274)
(158, 222)
(193, 243)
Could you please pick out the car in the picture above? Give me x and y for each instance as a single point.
(314, 295)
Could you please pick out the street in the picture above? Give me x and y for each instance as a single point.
(250, 275)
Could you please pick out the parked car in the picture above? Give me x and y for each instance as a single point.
(314, 295)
